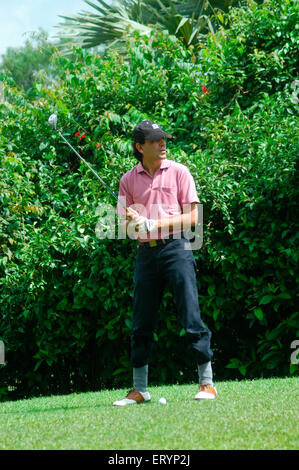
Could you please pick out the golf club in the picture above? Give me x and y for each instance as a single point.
(52, 121)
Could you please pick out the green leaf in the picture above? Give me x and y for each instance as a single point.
(233, 364)
(211, 290)
(266, 299)
(258, 313)
(284, 295)
(119, 371)
(100, 332)
(216, 312)
(38, 364)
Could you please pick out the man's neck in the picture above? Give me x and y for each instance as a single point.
(151, 166)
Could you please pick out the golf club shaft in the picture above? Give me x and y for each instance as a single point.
(90, 167)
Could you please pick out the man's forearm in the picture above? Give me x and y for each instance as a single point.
(178, 222)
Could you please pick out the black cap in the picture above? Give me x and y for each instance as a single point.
(149, 130)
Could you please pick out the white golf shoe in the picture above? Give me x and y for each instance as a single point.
(134, 397)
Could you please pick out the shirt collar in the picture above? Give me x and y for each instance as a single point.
(165, 164)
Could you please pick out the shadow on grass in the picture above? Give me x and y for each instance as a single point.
(54, 409)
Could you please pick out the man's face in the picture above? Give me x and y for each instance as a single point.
(153, 149)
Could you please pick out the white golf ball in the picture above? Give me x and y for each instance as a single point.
(162, 401)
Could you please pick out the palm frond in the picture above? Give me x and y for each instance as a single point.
(111, 24)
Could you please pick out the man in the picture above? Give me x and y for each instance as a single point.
(161, 200)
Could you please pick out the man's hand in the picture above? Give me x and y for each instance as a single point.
(139, 223)
(131, 214)
(144, 225)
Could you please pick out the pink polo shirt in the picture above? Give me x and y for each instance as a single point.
(160, 196)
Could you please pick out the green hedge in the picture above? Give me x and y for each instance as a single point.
(66, 296)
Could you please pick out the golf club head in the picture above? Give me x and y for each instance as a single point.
(52, 121)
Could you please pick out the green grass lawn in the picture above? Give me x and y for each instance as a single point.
(259, 414)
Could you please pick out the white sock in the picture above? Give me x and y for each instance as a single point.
(205, 373)
(140, 375)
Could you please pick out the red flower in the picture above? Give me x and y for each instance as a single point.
(77, 134)
(82, 136)
(204, 89)
(98, 146)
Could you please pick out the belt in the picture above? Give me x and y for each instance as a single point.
(160, 241)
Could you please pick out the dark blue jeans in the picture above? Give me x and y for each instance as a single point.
(157, 267)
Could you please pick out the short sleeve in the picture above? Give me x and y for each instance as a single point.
(187, 193)
(124, 195)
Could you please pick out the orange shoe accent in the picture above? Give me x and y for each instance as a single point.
(135, 395)
(206, 392)
(207, 388)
